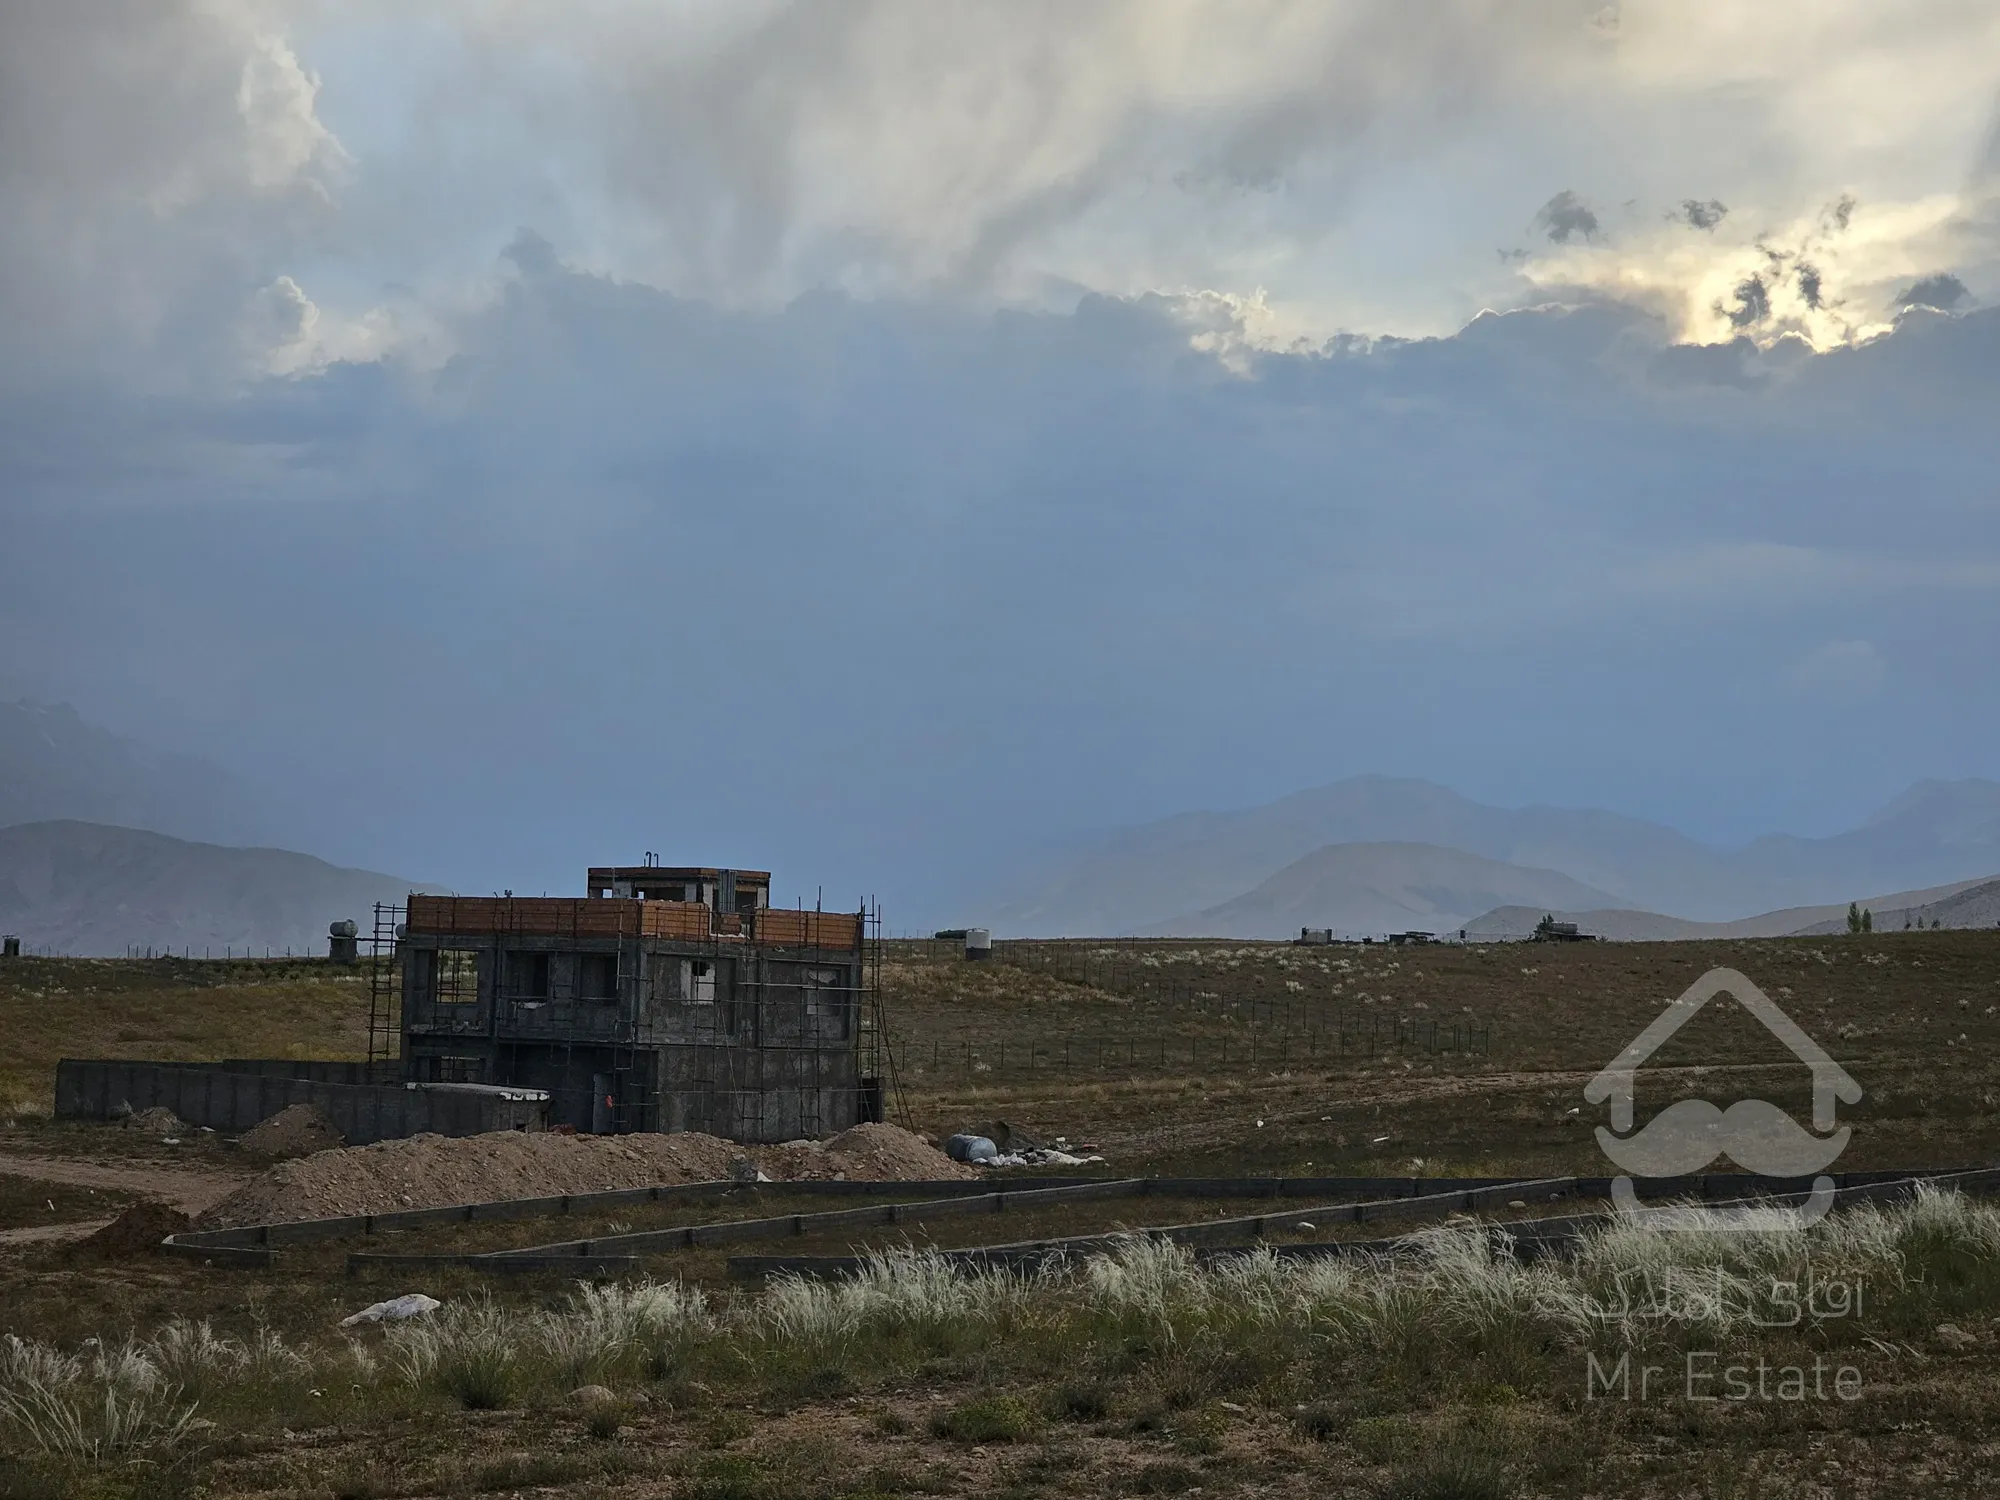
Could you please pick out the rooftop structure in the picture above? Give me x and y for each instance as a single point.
(669, 998)
(723, 890)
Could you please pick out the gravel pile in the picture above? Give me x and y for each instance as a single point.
(432, 1171)
(295, 1130)
(864, 1153)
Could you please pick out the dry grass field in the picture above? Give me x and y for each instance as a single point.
(1914, 1017)
(1446, 1373)
(169, 1010)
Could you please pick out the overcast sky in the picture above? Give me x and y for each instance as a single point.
(870, 440)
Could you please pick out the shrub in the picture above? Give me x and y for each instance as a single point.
(990, 1419)
(1167, 1478)
(1450, 1476)
(468, 1351)
(1318, 1423)
(108, 1402)
(1080, 1401)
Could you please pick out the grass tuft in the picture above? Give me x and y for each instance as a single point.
(990, 1419)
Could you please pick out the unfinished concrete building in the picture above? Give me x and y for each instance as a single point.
(669, 998)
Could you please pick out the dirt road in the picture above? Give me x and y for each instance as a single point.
(189, 1189)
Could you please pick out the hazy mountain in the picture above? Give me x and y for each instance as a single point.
(54, 765)
(1139, 878)
(84, 888)
(1368, 888)
(1936, 831)
(1964, 903)
(1974, 905)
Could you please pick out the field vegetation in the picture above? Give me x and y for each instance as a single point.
(1449, 1370)
(169, 1010)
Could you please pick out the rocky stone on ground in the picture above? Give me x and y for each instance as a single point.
(159, 1120)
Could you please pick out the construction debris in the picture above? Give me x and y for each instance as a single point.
(159, 1120)
(977, 1149)
(395, 1310)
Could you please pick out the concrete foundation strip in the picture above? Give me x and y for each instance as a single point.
(257, 1245)
(252, 1245)
(1530, 1238)
(621, 1249)
(1429, 1206)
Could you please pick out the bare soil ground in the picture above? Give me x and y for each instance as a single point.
(189, 1189)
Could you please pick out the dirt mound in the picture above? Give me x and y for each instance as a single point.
(864, 1153)
(295, 1130)
(159, 1120)
(431, 1171)
(137, 1231)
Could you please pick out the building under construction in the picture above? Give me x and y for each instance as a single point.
(666, 999)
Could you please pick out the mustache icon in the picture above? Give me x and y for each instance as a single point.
(1754, 1133)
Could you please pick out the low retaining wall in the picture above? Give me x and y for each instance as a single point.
(223, 1099)
(1383, 1198)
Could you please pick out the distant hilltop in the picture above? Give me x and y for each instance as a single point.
(1381, 854)
(1969, 903)
(93, 889)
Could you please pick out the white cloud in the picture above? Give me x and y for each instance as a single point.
(164, 157)
(1340, 165)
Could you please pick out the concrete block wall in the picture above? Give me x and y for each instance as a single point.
(209, 1094)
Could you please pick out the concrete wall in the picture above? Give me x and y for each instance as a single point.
(207, 1094)
(764, 1047)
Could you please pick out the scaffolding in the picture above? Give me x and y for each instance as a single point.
(639, 1015)
(385, 990)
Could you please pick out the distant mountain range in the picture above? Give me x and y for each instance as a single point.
(1965, 903)
(1381, 888)
(85, 888)
(1260, 871)
(54, 765)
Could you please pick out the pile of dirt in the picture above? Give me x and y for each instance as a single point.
(865, 1153)
(431, 1171)
(137, 1231)
(159, 1120)
(295, 1130)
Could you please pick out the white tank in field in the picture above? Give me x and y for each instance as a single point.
(978, 944)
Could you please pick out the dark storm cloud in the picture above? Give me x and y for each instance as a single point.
(1943, 291)
(866, 590)
(1752, 304)
(1702, 215)
(1809, 284)
(1566, 217)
